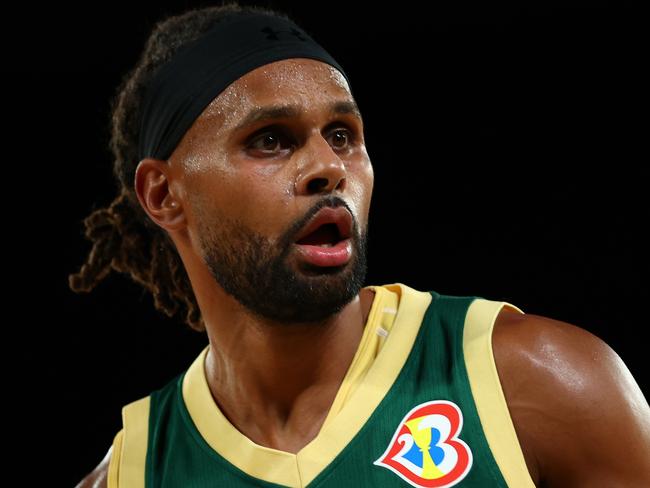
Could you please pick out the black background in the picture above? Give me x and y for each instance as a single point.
(509, 163)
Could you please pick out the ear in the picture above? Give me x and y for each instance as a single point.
(152, 183)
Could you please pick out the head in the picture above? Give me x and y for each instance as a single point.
(227, 204)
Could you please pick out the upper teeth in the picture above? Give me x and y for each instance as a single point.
(326, 245)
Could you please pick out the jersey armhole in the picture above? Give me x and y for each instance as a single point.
(488, 394)
(127, 468)
(114, 463)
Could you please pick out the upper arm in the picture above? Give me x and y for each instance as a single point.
(98, 477)
(575, 402)
(106, 473)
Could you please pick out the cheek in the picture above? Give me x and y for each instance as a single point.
(360, 191)
(264, 197)
(370, 180)
(213, 198)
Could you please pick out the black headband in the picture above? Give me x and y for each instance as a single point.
(200, 71)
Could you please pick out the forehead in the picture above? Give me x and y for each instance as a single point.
(304, 82)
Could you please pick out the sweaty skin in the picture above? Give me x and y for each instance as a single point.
(580, 417)
(282, 375)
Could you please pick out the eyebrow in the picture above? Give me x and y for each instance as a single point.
(285, 111)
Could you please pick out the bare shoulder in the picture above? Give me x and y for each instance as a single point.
(580, 416)
(98, 477)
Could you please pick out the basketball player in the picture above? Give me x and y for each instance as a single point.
(245, 194)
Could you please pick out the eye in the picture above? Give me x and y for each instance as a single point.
(268, 141)
(341, 135)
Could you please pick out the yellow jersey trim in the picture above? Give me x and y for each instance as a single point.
(379, 359)
(488, 395)
(379, 323)
(114, 463)
(135, 421)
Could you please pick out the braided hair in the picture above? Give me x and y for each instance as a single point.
(123, 237)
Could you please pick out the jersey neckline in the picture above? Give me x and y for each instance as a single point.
(396, 307)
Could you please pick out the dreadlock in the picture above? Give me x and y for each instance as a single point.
(124, 237)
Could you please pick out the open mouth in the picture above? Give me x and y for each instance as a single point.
(326, 240)
(327, 235)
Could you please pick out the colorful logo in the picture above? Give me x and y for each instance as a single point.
(425, 449)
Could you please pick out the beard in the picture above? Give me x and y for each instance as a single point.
(264, 276)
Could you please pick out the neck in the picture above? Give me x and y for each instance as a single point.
(274, 383)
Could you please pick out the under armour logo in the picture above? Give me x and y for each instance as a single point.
(274, 35)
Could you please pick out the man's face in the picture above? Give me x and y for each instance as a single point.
(251, 186)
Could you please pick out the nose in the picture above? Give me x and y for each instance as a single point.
(323, 171)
